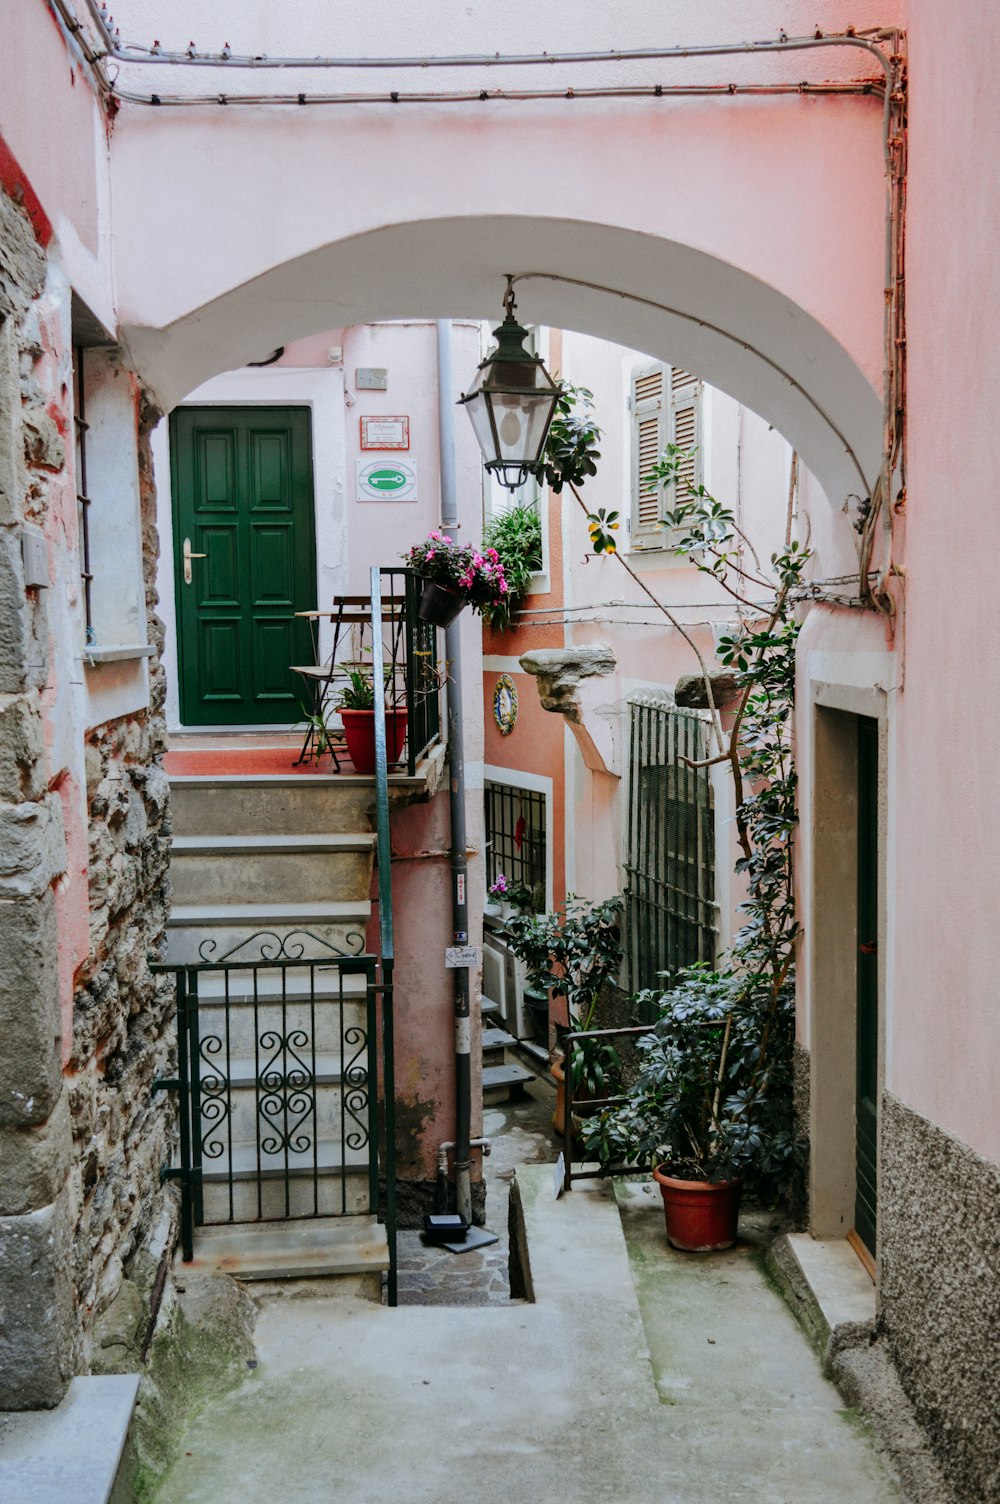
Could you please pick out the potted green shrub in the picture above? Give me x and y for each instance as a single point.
(708, 1111)
(356, 707)
(573, 953)
(516, 536)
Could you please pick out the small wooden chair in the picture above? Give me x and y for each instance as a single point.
(349, 616)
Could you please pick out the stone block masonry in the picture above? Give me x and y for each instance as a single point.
(123, 1034)
(84, 1221)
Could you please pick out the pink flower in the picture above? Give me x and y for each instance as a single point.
(430, 554)
(502, 587)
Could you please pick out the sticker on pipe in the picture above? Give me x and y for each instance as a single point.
(387, 480)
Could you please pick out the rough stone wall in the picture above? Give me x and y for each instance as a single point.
(36, 1302)
(123, 1013)
(939, 1291)
(80, 1152)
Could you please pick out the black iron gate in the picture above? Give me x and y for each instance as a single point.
(671, 916)
(277, 1070)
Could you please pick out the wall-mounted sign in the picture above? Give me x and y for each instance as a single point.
(385, 432)
(505, 704)
(387, 480)
(371, 379)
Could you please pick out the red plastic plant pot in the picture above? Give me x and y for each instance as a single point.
(702, 1215)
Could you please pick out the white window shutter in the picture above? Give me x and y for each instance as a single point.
(685, 396)
(650, 418)
(666, 409)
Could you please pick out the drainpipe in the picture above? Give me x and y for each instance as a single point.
(456, 754)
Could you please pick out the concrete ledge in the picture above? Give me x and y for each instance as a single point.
(839, 1282)
(71, 1453)
(827, 1288)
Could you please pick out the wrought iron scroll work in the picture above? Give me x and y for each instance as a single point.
(356, 1088)
(277, 948)
(287, 1105)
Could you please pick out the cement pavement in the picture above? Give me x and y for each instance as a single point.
(637, 1376)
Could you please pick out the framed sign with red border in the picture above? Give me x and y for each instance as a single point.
(382, 431)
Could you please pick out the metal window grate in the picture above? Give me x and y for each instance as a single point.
(515, 835)
(671, 916)
(82, 498)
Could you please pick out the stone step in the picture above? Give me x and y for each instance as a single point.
(72, 1452)
(308, 1247)
(336, 1186)
(256, 868)
(329, 1027)
(275, 804)
(321, 975)
(341, 924)
(495, 1043)
(489, 1010)
(505, 1083)
(236, 1110)
(330, 1158)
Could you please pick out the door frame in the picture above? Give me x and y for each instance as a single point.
(247, 401)
(321, 389)
(832, 944)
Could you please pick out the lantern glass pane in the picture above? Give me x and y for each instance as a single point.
(521, 421)
(479, 416)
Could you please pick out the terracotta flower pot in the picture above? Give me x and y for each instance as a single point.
(581, 1098)
(701, 1215)
(438, 604)
(359, 733)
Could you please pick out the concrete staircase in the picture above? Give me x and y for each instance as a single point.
(279, 855)
(504, 1079)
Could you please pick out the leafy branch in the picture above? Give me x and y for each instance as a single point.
(715, 1094)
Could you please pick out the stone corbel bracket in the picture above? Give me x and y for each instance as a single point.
(558, 673)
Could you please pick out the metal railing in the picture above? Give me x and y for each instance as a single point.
(386, 942)
(671, 916)
(412, 681)
(569, 1174)
(277, 1067)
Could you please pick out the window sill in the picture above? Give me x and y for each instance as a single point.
(94, 656)
(657, 555)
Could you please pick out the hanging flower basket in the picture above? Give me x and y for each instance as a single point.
(439, 605)
(455, 575)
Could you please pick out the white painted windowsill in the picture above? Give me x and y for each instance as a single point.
(94, 656)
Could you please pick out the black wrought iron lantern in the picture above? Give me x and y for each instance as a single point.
(511, 403)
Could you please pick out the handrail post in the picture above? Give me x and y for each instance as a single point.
(384, 858)
(187, 1217)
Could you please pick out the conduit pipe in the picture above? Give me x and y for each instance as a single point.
(456, 792)
(130, 53)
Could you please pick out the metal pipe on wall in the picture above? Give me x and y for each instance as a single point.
(456, 792)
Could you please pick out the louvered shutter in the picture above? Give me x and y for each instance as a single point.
(666, 408)
(650, 413)
(685, 395)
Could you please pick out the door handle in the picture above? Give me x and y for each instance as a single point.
(188, 556)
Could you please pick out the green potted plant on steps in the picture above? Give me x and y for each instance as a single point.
(708, 1111)
(573, 953)
(356, 706)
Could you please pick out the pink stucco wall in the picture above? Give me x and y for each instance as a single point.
(947, 1026)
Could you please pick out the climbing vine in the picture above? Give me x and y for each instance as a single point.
(716, 1092)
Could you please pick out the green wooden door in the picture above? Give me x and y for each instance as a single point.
(243, 497)
(866, 1194)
